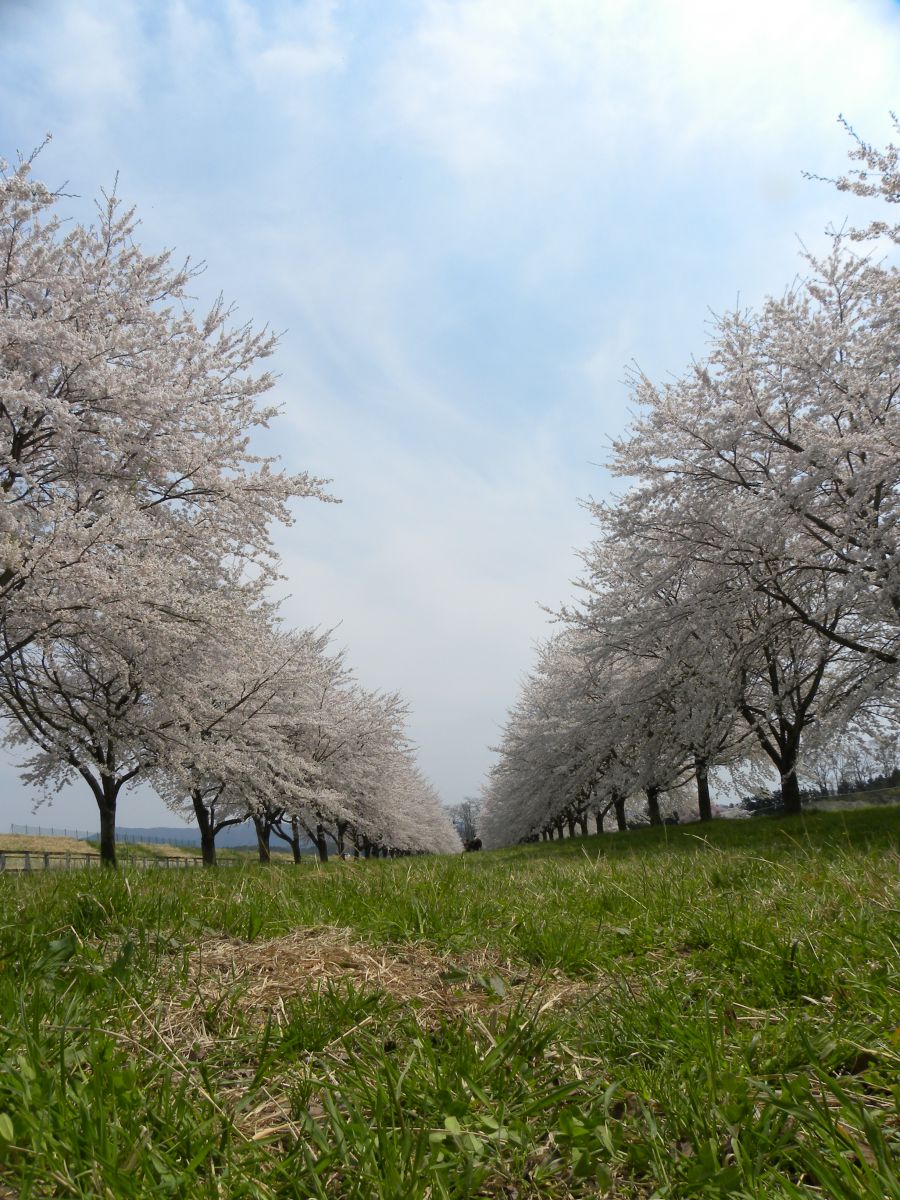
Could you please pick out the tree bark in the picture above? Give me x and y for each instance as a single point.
(207, 832)
(321, 843)
(208, 847)
(108, 828)
(653, 805)
(619, 806)
(583, 824)
(295, 839)
(570, 822)
(704, 803)
(263, 832)
(790, 793)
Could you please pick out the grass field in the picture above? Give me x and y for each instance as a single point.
(672, 1013)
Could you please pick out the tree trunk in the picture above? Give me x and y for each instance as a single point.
(263, 832)
(208, 847)
(704, 803)
(341, 830)
(321, 844)
(619, 806)
(559, 829)
(781, 739)
(295, 839)
(207, 832)
(790, 793)
(583, 824)
(653, 805)
(570, 822)
(367, 848)
(598, 817)
(108, 827)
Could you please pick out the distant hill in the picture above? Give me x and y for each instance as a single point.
(181, 835)
(241, 836)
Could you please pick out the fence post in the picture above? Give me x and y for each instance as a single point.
(2, 861)
(46, 862)
(27, 865)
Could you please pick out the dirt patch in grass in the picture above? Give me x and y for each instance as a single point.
(232, 984)
(262, 975)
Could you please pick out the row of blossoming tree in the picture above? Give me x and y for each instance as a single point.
(740, 604)
(138, 639)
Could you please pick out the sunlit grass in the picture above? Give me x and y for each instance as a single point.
(681, 1012)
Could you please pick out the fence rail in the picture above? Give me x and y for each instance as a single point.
(62, 860)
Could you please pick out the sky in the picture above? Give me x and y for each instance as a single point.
(467, 218)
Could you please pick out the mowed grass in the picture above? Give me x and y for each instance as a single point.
(681, 1012)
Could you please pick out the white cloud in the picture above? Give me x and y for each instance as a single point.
(532, 94)
(293, 42)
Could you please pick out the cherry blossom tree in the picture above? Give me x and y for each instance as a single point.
(275, 728)
(795, 410)
(124, 415)
(91, 706)
(132, 497)
(878, 177)
(226, 757)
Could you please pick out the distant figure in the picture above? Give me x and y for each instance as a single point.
(472, 844)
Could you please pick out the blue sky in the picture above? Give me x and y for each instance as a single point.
(468, 216)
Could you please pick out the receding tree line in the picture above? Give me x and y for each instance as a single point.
(739, 606)
(139, 641)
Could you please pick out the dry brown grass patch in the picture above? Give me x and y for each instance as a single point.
(262, 975)
(230, 982)
(21, 843)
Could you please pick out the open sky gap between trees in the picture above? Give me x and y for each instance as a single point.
(739, 606)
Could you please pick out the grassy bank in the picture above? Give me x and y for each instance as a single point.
(16, 845)
(674, 1013)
